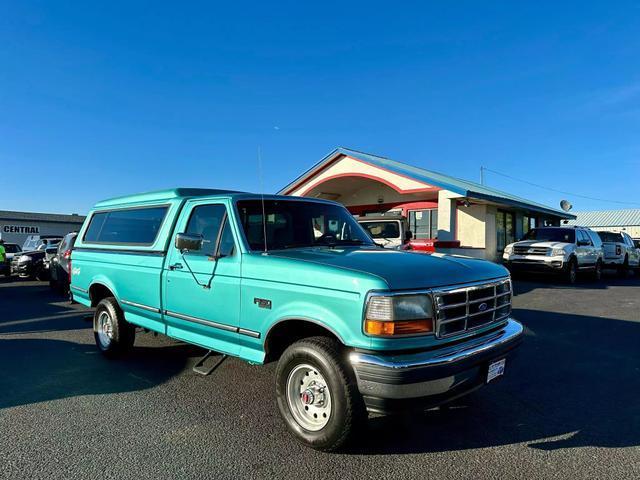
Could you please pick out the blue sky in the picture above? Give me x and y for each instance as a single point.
(120, 97)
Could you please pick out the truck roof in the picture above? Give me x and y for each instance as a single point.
(181, 193)
(169, 194)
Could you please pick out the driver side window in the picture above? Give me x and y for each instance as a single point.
(583, 238)
(206, 220)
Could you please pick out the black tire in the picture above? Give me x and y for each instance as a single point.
(571, 272)
(42, 275)
(347, 411)
(53, 285)
(597, 272)
(623, 270)
(63, 288)
(122, 333)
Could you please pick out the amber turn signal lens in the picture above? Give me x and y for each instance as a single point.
(406, 327)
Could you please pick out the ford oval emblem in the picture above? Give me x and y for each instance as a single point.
(483, 306)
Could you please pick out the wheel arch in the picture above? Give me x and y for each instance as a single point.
(288, 330)
(100, 290)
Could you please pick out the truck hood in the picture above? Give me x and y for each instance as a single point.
(535, 243)
(31, 253)
(401, 270)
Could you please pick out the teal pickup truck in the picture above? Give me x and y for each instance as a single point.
(354, 327)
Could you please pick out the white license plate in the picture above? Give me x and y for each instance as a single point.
(496, 369)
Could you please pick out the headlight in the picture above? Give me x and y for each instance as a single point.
(558, 252)
(24, 259)
(396, 315)
(508, 249)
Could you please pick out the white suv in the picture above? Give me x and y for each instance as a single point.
(620, 251)
(564, 250)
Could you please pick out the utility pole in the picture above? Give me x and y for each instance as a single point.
(481, 175)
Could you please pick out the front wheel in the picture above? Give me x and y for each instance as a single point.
(571, 274)
(317, 394)
(113, 334)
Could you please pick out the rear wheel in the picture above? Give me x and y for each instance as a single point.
(571, 273)
(597, 273)
(317, 394)
(113, 334)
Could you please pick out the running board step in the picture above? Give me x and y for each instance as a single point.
(200, 368)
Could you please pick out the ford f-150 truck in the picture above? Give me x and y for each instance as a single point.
(354, 327)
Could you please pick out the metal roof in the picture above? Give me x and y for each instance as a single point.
(40, 217)
(462, 187)
(608, 218)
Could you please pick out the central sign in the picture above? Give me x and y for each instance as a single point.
(25, 229)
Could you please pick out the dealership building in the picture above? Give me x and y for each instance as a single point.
(15, 227)
(457, 215)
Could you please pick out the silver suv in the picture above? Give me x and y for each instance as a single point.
(563, 250)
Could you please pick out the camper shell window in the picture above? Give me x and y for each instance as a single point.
(133, 226)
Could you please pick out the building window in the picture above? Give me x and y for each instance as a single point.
(528, 223)
(505, 231)
(424, 223)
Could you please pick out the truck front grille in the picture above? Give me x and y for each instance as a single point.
(519, 250)
(461, 309)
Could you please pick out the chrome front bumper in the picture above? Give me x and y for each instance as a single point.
(534, 262)
(390, 382)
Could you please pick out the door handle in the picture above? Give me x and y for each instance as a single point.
(175, 266)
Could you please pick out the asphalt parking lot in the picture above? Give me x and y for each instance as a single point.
(567, 407)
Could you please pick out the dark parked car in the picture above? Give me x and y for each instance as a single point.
(10, 249)
(32, 263)
(60, 264)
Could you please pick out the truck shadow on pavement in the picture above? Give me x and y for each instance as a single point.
(574, 383)
(523, 283)
(38, 370)
(34, 308)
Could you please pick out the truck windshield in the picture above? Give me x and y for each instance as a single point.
(390, 229)
(298, 224)
(566, 235)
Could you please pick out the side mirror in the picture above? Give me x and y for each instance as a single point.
(408, 235)
(189, 243)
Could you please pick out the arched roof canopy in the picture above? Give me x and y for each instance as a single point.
(358, 189)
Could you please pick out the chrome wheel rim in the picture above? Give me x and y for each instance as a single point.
(104, 329)
(308, 397)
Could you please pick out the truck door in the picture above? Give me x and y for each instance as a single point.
(202, 288)
(586, 250)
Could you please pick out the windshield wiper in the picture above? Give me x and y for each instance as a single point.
(352, 242)
(296, 245)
